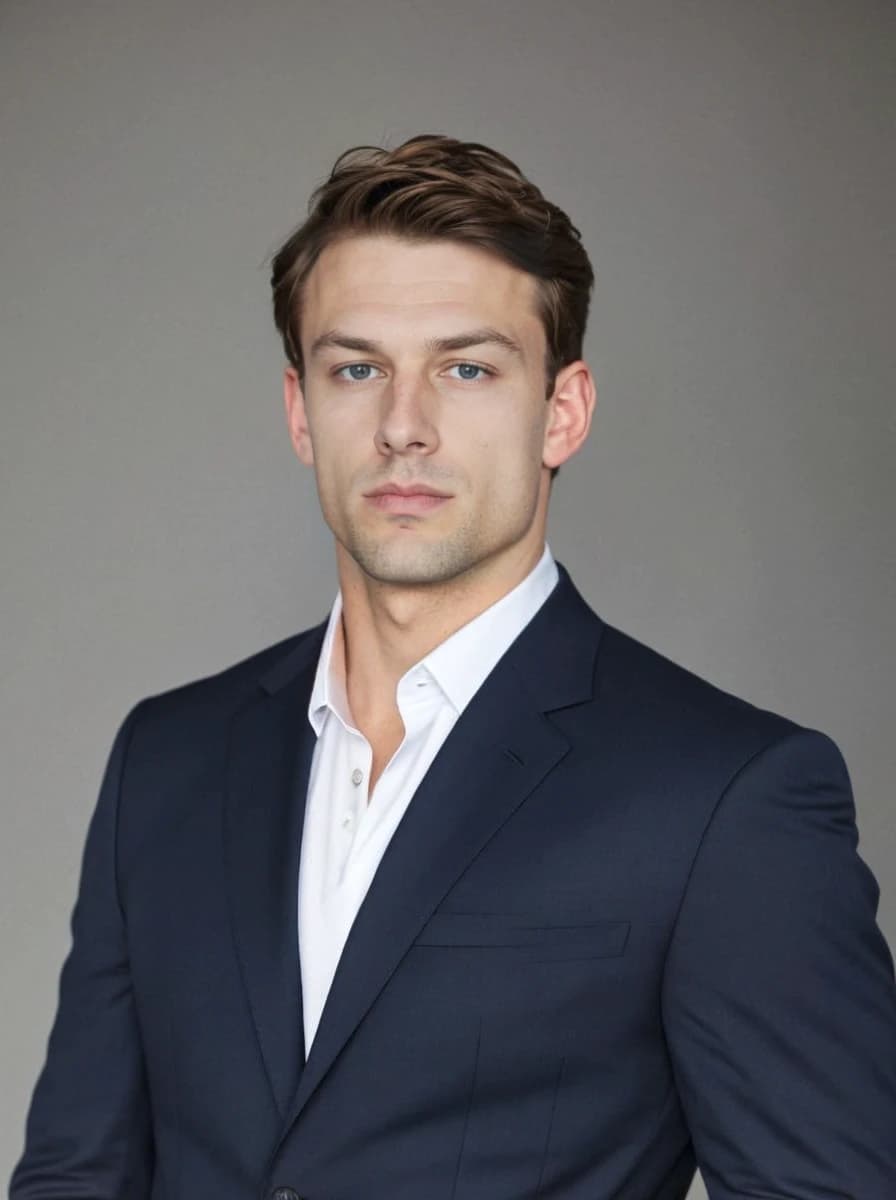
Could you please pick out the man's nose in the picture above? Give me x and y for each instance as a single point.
(408, 417)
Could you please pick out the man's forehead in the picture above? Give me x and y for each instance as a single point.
(392, 279)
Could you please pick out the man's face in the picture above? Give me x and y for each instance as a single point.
(424, 369)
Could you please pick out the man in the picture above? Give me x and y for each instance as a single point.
(461, 894)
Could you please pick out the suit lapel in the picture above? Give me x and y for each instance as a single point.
(501, 748)
(269, 760)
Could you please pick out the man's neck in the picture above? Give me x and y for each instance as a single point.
(388, 628)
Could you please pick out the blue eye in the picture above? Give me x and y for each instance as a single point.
(357, 372)
(469, 372)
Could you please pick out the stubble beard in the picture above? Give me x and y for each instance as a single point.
(404, 557)
(416, 562)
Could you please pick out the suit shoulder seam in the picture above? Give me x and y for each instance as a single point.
(798, 731)
(127, 735)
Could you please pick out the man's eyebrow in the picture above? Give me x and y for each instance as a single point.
(333, 338)
(485, 336)
(476, 337)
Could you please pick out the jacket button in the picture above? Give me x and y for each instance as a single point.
(285, 1194)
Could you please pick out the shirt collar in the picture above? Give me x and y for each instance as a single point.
(459, 665)
(329, 681)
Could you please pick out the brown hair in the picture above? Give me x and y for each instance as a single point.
(430, 187)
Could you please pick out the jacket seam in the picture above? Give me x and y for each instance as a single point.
(732, 781)
(128, 727)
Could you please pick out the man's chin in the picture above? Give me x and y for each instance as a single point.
(413, 566)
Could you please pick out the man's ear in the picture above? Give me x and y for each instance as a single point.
(571, 408)
(296, 417)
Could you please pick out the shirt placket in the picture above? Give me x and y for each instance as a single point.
(354, 775)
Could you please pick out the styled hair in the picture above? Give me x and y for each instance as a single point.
(433, 187)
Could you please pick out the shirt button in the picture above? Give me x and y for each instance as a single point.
(357, 776)
(346, 820)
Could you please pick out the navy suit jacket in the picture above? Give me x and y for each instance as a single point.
(621, 929)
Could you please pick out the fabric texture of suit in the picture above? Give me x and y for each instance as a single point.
(622, 928)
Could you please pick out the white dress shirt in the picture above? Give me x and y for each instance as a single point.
(346, 830)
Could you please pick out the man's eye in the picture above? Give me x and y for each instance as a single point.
(357, 372)
(469, 372)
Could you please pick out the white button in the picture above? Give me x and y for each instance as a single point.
(357, 776)
(347, 820)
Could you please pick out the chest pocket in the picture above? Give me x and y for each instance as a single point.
(526, 934)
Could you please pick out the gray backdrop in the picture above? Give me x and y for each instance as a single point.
(730, 165)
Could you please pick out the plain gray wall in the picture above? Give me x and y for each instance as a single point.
(730, 165)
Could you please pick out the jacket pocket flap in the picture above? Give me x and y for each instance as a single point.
(590, 938)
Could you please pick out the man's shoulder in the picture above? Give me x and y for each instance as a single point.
(640, 685)
(679, 708)
(223, 692)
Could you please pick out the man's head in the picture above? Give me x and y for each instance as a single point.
(432, 308)
(433, 187)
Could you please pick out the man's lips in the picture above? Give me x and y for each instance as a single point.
(406, 489)
(406, 498)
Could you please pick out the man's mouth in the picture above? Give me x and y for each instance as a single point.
(410, 498)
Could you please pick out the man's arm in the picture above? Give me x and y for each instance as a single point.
(778, 1000)
(88, 1131)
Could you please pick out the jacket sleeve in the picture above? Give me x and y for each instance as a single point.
(778, 997)
(88, 1132)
